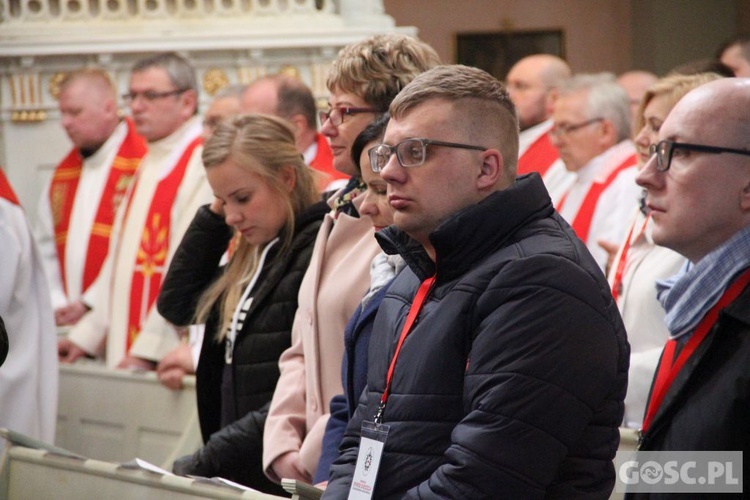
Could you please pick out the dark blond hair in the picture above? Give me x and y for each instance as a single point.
(263, 145)
(486, 113)
(672, 88)
(377, 68)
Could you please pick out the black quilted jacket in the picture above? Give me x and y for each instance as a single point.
(265, 334)
(511, 384)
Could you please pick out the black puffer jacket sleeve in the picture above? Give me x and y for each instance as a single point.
(234, 452)
(194, 266)
(4, 346)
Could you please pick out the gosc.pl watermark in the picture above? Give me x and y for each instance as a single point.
(678, 471)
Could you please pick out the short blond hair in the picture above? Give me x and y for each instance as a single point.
(486, 112)
(96, 76)
(672, 88)
(377, 68)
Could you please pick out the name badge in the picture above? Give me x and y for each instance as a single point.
(371, 444)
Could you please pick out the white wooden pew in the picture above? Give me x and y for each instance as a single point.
(628, 442)
(38, 474)
(117, 415)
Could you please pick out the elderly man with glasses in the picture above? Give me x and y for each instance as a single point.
(591, 130)
(498, 361)
(698, 194)
(169, 186)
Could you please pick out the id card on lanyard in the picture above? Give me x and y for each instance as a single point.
(374, 434)
(371, 445)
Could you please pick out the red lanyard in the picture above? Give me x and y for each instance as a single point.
(416, 307)
(668, 371)
(620, 271)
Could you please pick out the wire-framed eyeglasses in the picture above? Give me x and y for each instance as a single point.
(150, 95)
(410, 152)
(336, 115)
(664, 151)
(564, 129)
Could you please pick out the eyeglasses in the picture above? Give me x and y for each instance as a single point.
(664, 150)
(560, 130)
(150, 95)
(336, 115)
(410, 152)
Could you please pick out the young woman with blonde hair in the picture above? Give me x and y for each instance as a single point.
(265, 204)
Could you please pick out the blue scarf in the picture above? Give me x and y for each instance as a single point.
(689, 295)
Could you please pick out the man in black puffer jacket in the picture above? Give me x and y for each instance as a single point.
(510, 382)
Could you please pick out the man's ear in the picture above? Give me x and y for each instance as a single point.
(190, 102)
(491, 171)
(299, 125)
(608, 134)
(549, 101)
(110, 106)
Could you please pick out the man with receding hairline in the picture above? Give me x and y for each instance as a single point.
(77, 208)
(289, 98)
(698, 193)
(169, 187)
(636, 83)
(592, 132)
(532, 84)
(498, 360)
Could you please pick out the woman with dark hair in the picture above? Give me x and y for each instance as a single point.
(357, 333)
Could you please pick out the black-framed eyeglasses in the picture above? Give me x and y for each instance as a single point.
(410, 152)
(150, 95)
(336, 115)
(560, 130)
(664, 150)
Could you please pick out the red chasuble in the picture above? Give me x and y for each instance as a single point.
(6, 191)
(539, 157)
(62, 195)
(150, 263)
(582, 222)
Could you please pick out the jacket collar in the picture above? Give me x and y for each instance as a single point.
(469, 235)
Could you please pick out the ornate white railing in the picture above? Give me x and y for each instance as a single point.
(63, 12)
(228, 41)
(25, 11)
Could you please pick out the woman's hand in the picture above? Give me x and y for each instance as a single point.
(288, 466)
(217, 207)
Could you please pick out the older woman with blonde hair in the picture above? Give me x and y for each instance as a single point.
(639, 263)
(265, 216)
(363, 80)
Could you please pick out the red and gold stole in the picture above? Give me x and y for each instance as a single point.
(63, 192)
(150, 262)
(6, 191)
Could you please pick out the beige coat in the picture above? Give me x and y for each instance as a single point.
(333, 286)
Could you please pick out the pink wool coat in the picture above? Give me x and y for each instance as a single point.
(333, 286)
